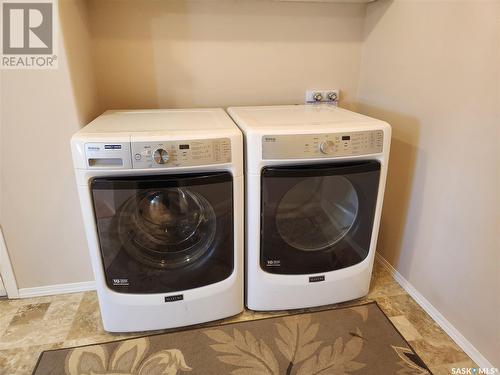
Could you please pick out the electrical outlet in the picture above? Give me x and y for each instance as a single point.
(323, 96)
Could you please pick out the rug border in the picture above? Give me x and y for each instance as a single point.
(400, 334)
(190, 328)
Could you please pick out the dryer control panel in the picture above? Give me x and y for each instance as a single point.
(305, 146)
(188, 153)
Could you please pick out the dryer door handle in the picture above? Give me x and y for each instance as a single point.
(316, 170)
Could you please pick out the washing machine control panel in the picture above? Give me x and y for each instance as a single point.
(300, 146)
(165, 154)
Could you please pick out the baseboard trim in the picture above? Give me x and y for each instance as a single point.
(50, 290)
(454, 333)
(6, 270)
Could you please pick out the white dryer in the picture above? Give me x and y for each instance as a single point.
(162, 199)
(315, 185)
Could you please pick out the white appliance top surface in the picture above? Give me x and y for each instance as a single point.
(302, 118)
(187, 121)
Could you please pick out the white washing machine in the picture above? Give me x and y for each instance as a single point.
(162, 200)
(315, 184)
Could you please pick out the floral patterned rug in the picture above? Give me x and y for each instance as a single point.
(349, 340)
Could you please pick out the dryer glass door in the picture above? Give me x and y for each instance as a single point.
(164, 233)
(317, 218)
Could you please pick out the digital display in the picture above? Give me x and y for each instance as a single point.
(183, 147)
(346, 137)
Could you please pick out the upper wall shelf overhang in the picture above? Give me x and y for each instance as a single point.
(331, 1)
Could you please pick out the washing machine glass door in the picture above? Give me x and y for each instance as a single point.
(317, 218)
(169, 227)
(164, 233)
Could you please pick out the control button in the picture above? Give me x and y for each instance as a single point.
(327, 147)
(161, 156)
(137, 156)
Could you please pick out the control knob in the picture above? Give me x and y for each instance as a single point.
(160, 156)
(327, 147)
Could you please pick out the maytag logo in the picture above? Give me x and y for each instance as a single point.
(178, 297)
(269, 139)
(315, 279)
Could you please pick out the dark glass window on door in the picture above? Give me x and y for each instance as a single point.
(317, 218)
(164, 233)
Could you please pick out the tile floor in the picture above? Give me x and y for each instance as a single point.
(29, 326)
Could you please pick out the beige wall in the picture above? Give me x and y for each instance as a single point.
(432, 69)
(39, 111)
(219, 53)
(149, 54)
(429, 67)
